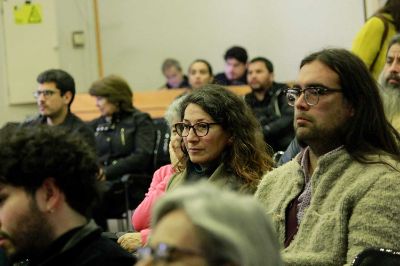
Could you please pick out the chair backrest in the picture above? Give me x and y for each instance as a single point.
(377, 256)
(161, 149)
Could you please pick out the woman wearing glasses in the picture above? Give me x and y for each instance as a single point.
(141, 215)
(223, 141)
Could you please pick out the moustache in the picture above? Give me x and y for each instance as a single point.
(304, 116)
(394, 76)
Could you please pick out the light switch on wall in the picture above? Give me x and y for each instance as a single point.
(78, 39)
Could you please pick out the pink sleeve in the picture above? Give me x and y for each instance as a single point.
(145, 235)
(141, 215)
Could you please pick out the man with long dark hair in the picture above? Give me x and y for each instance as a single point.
(340, 194)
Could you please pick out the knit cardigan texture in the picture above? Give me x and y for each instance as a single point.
(353, 206)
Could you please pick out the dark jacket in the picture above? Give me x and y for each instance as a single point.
(275, 116)
(184, 84)
(221, 79)
(292, 150)
(83, 246)
(72, 124)
(220, 175)
(125, 144)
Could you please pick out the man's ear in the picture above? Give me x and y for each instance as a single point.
(67, 97)
(48, 195)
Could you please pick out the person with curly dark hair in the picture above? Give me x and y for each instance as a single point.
(223, 141)
(47, 193)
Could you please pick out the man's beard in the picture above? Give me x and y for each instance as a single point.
(257, 88)
(321, 140)
(33, 234)
(390, 95)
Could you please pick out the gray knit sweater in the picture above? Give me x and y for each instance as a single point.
(353, 206)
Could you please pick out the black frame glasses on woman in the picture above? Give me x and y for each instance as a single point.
(311, 93)
(200, 129)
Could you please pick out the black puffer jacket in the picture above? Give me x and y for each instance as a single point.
(71, 124)
(275, 116)
(125, 144)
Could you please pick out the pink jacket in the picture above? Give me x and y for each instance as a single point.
(142, 215)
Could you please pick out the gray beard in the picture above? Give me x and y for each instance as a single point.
(390, 96)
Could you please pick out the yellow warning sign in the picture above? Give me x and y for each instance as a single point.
(28, 13)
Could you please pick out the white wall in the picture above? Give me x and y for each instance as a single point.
(138, 35)
(81, 63)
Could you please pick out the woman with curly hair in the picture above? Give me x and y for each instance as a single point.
(223, 141)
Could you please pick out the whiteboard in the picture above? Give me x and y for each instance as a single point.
(30, 49)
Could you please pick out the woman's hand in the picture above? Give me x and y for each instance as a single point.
(130, 241)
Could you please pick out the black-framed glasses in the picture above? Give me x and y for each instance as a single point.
(45, 93)
(311, 93)
(166, 252)
(200, 129)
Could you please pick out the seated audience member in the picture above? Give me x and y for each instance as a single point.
(124, 135)
(389, 91)
(125, 139)
(235, 67)
(340, 195)
(47, 191)
(172, 71)
(371, 42)
(54, 96)
(268, 101)
(222, 140)
(141, 215)
(200, 74)
(390, 81)
(203, 225)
